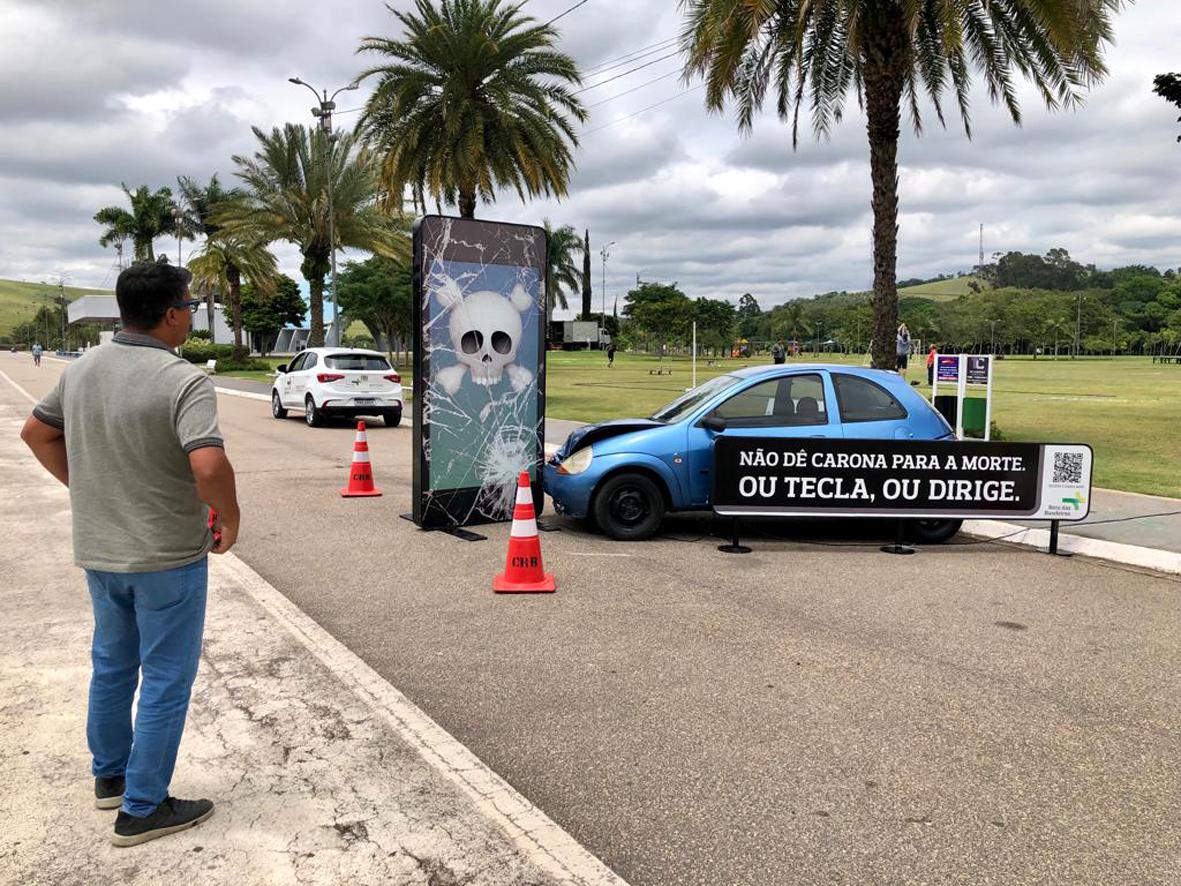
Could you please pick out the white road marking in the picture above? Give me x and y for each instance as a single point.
(536, 835)
(248, 395)
(533, 832)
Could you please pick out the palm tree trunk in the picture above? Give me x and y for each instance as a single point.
(885, 64)
(467, 203)
(234, 276)
(209, 316)
(316, 310)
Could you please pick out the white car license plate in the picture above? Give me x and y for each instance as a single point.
(364, 401)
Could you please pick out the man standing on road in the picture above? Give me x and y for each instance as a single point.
(37, 353)
(778, 352)
(132, 430)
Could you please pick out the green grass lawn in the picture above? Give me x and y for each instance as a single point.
(20, 301)
(1126, 408)
(940, 290)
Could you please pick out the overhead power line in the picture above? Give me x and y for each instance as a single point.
(632, 56)
(634, 89)
(644, 110)
(567, 12)
(625, 73)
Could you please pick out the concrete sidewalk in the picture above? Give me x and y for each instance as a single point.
(321, 771)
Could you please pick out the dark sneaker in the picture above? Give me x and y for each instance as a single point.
(170, 816)
(108, 791)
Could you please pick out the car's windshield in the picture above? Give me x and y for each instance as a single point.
(357, 362)
(690, 400)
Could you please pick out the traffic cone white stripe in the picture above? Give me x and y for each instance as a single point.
(362, 437)
(524, 495)
(360, 456)
(524, 528)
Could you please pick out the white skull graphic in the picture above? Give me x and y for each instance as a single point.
(485, 330)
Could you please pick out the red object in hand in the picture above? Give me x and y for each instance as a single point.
(212, 521)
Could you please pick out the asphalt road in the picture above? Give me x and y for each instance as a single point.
(810, 712)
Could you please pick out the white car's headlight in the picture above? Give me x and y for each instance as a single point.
(578, 462)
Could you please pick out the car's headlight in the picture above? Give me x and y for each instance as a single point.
(578, 462)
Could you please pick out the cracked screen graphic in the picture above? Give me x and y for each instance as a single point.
(481, 301)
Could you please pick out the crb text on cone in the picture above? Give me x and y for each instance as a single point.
(523, 571)
(361, 471)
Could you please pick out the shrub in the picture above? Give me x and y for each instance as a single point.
(197, 351)
(202, 334)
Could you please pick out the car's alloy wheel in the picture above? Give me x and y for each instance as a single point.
(277, 409)
(311, 414)
(629, 507)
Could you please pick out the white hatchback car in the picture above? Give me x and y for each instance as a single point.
(326, 382)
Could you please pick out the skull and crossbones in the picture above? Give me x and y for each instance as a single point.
(485, 329)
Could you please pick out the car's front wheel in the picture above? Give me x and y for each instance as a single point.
(629, 507)
(277, 409)
(933, 532)
(313, 416)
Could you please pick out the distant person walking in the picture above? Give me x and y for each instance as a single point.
(610, 355)
(931, 366)
(131, 429)
(778, 352)
(902, 348)
(37, 351)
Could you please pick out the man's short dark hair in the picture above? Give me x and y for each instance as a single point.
(146, 290)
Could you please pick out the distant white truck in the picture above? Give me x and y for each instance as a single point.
(572, 335)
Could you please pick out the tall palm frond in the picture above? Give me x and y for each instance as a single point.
(288, 181)
(151, 216)
(562, 266)
(813, 53)
(474, 97)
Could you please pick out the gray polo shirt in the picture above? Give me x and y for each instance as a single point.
(132, 411)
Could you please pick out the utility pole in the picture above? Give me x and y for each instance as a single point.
(1078, 324)
(61, 291)
(605, 252)
(993, 346)
(981, 265)
(323, 113)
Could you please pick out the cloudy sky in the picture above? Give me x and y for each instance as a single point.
(103, 91)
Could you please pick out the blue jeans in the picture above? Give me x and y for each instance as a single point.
(149, 621)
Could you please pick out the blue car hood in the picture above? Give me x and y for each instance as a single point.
(584, 437)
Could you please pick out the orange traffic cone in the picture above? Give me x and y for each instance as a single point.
(360, 474)
(523, 572)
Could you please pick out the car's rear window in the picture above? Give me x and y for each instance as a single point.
(357, 362)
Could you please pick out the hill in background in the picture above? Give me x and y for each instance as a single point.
(20, 301)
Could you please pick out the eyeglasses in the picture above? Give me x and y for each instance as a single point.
(191, 303)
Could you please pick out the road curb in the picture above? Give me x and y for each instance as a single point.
(1117, 552)
(536, 836)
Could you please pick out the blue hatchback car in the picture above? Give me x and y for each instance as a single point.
(624, 475)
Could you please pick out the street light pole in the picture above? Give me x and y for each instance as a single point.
(1078, 323)
(323, 113)
(605, 252)
(177, 215)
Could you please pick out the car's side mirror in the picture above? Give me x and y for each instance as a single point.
(282, 367)
(714, 423)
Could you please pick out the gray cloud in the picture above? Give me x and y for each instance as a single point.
(126, 90)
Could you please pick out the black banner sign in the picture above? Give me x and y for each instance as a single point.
(911, 478)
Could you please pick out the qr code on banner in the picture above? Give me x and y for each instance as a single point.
(1068, 468)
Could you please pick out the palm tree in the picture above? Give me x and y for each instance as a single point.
(562, 273)
(473, 98)
(222, 263)
(289, 179)
(151, 216)
(813, 51)
(198, 204)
